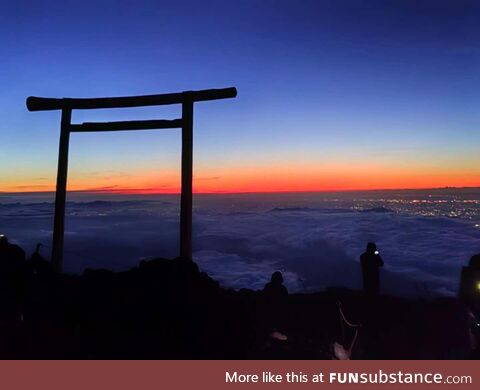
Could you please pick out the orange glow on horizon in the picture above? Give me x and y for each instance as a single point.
(265, 179)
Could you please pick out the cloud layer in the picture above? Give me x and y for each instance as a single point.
(241, 246)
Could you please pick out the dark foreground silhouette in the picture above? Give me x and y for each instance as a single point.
(371, 262)
(168, 309)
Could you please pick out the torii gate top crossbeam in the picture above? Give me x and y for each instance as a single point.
(48, 104)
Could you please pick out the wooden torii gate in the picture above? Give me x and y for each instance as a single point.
(66, 105)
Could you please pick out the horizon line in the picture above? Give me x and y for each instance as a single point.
(148, 191)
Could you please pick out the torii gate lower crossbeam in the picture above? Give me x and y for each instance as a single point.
(66, 105)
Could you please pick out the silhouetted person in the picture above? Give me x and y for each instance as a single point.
(36, 256)
(12, 261)
(274, 306)
(38, 264)
(10, 253)
(470, 281)
(12, 286)
(469, 294)
(275, 288)
(371, 262)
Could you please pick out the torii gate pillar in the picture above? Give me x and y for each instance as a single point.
(186, 202)
(61, 191)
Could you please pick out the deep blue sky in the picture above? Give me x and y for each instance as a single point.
(327, 89)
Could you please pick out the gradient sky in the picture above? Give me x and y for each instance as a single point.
(331, 94)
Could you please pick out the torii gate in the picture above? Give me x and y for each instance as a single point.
(186, 99)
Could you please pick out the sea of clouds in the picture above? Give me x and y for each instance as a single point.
(241, 241)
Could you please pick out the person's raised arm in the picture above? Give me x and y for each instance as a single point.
(379, 261)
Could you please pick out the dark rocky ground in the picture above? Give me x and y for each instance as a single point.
(168, 309)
